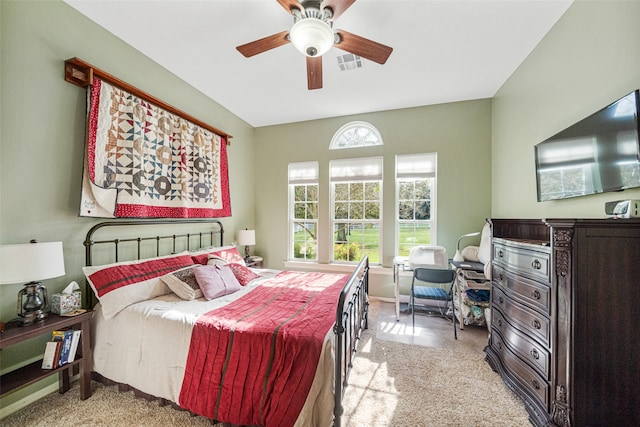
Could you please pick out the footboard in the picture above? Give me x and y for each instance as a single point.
(351, 318)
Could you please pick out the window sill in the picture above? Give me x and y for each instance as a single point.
(334, 267)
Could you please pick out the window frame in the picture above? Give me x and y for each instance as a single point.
(362, 176)
(336, 143)
(413, 167)
(304, 174)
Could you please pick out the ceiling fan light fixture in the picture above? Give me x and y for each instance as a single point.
(312, 36)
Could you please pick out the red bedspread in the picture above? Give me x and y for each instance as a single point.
(254, 360)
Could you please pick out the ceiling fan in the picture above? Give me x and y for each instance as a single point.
(313, 35)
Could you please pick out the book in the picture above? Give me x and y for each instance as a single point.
(57, 336)
(74, 345)
(56, 357)
(49, 358)
(66, 347)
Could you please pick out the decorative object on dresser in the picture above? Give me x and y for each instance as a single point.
(247, 238)
(31, 263)
(564, 305)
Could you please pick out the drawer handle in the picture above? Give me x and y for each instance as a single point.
(500, 253)
(535, 384)
(500, 277)
(499, 322)
(501, 300)
(536, 324)
(500, 345)
(535, 354)
(536, 294)
(536, 264)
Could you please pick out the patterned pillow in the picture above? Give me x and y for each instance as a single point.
(228, 253)
(121, 284)
(183, 283)
(242, 273)
(216, 280)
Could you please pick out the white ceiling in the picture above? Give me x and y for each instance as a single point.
(443, 51)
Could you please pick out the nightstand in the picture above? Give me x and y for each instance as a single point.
(32, 373)
(255, 262)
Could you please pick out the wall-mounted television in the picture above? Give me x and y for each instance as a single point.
(598, 154)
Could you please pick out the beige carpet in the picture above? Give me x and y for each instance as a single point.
(392, 384)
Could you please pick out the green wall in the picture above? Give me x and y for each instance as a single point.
(42, 136)
(458, 132)
(588, 60)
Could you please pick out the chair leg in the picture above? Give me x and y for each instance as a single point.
(413, 312)
(453, 320)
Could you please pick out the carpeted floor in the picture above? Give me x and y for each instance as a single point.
(391, 384)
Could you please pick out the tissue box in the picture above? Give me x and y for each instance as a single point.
(64, 303)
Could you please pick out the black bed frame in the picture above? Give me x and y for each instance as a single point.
(353, 304)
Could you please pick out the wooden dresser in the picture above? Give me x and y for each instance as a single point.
(565, 328)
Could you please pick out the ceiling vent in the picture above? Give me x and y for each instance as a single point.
(349, 61)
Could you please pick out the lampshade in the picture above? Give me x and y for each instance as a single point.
(312, 36)
(31, 262)
(247, 237)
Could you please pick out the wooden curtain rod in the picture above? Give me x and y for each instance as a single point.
(81, 74)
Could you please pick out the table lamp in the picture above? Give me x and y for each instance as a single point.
(246, 238)
(31, 263)
(458, 256)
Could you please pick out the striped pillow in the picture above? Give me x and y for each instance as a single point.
(121, 284)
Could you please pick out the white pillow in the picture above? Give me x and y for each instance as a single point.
(470, 253)
(484, 250)
(121, 284)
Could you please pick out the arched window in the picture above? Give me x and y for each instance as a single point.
(355, 134)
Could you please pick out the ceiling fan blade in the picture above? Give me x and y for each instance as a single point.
(314, 72)
(264, 44)
(290, 4)
(337, 6)
(363, 47)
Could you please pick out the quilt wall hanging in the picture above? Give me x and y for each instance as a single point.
(145, 161)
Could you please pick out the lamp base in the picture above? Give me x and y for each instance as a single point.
(32, 317)
(32, 303)
(458, 257)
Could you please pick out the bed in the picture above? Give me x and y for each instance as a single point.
(275, 351)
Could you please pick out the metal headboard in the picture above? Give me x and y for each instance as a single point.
(179, 241)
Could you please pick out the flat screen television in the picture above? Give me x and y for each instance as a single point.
(598, 154)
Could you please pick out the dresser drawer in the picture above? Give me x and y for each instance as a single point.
(529, 292)
(529, 380)
(526, 348)
(524, 260)
(522, 318)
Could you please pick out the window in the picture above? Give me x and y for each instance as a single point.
(356, 199)
(416, 203)
(303, 211)
(355, 134)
